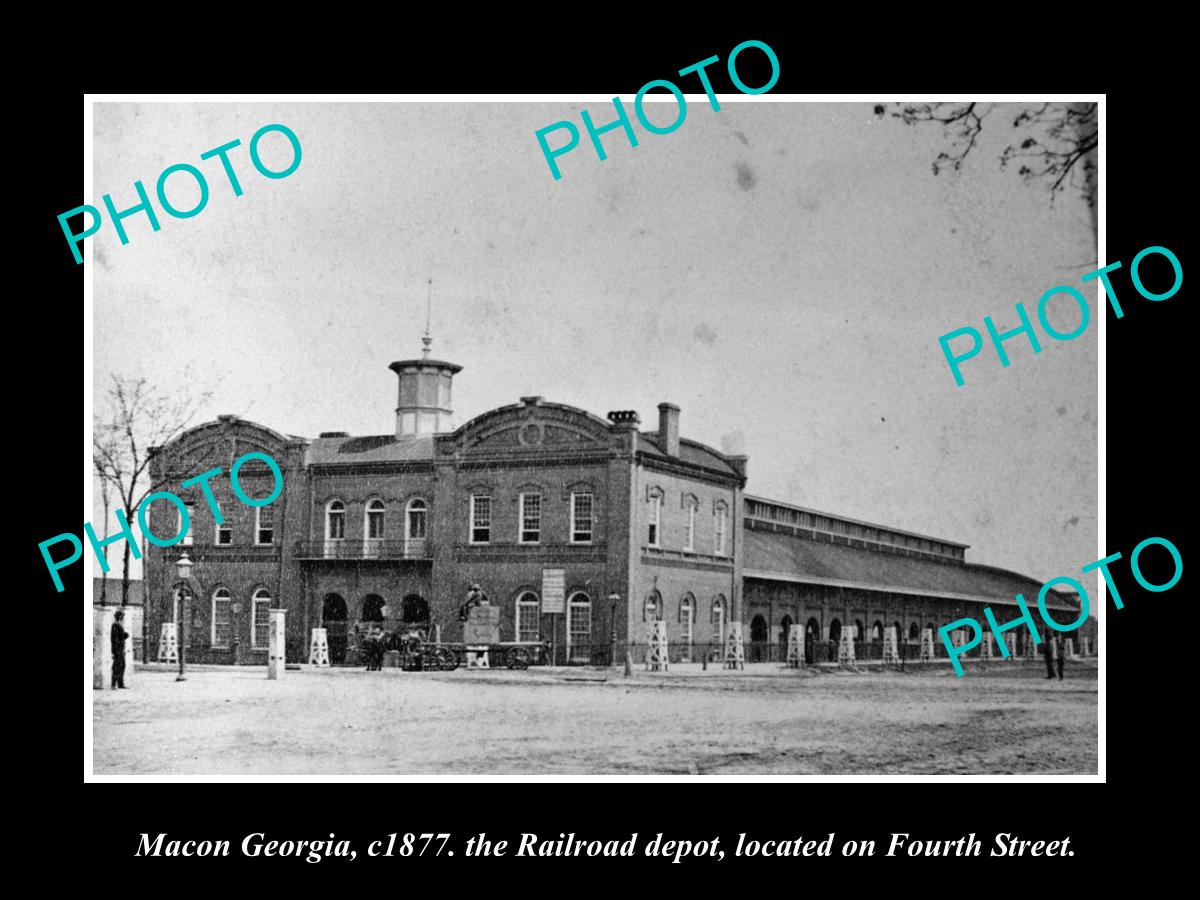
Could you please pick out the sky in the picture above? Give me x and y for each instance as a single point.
(780, 271)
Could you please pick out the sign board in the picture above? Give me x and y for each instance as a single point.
(482, 625)
(554, 587)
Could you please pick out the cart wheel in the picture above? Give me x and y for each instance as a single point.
(448, 658)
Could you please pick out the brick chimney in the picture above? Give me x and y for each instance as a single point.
(668, 428)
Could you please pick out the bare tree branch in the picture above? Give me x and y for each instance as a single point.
(1052, 140)
(137, 419)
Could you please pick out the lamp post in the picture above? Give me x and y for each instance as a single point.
(613, 600)
(184, 569)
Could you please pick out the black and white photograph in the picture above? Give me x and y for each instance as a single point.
(448, 448)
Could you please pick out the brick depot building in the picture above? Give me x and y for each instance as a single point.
(395, 528)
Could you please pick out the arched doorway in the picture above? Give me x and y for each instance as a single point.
(758, 638)
(372, 608)
(914, 633)
(785, 628)
(333, 620)
(414, 610)
(835, 632)
(579, 605)
(687, 621)
(653, 608)
(812, 634)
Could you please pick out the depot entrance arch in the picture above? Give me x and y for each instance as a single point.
(333, 619)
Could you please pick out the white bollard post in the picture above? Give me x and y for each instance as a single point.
(318, 653)
(927, 654)
(276, 647)
(795, 648)
(168, 645)
(656, 647)
(891, 647)
(846, 648)
(735, 649)
(102, 619)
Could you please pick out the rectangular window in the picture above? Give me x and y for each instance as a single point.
(531, 518)
(652, 536)
(262, 622)
(191, 515)
(581, 518)
(481, 518)
(690, 540)
(264, 532)
(224, 534)
(722, 516)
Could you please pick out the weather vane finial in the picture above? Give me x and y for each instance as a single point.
(427, 340)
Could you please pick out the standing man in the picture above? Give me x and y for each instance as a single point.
(1048, 653)
(118, 637)
(1062, 653)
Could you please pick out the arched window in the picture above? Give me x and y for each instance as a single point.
(835, 630)
(877, 631)
(373, 528)
(222, 617)
(721, 524)
(654, 503)
(758, 630)
(718, 618)
(527, 617)
(652, 609)
(335, 526)
(914, 632)
(860, 631)
(579, 611)
(416, 520)
(260, 623)
(687, 616)
(690, 505)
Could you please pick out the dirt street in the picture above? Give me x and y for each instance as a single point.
(1002, 718)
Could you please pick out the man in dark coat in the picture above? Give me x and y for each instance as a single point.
(118, 637)
(1062, 654)
(1048, 653)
